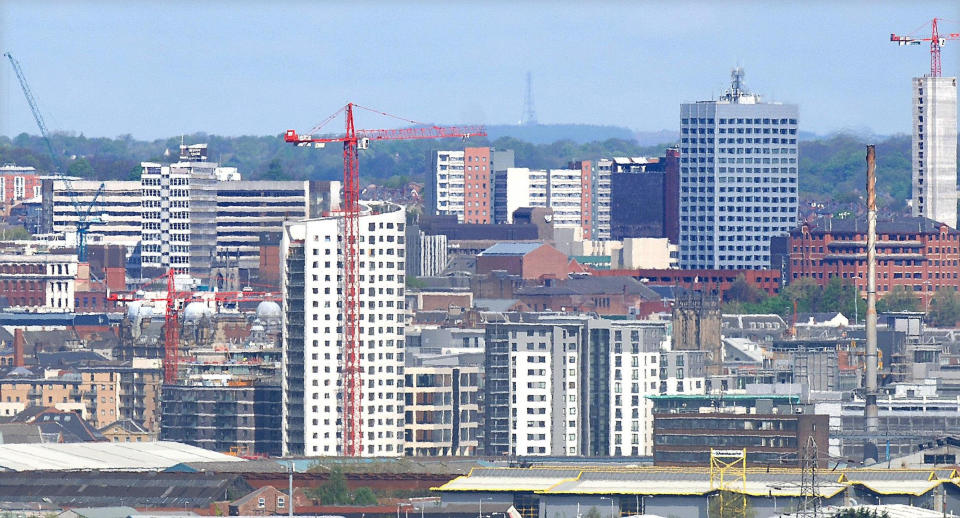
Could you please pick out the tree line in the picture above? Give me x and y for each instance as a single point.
(831, 169)
(838, 296)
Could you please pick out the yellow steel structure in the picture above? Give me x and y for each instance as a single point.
(728, 476)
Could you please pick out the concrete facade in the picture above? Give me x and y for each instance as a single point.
(36, 282)
(179, 216)
(313, 332)
(462, 183)
(567, 191)
(442, 411)
(935, 148)
(738, 180)
(570, 386)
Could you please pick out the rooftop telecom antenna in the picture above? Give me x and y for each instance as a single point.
(738, 87)
(529, 113)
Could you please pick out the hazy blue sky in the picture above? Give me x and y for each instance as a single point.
(161, 68)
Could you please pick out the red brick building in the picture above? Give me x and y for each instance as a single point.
(477, 185)
(717, 281)
(17, 184)
(266, 500)
(917, 253)
(601, 295)
(528, 260)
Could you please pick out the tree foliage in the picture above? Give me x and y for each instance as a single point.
(944, 308)
(899, 299)
(334, 492)
(837, 296)
(830, 169)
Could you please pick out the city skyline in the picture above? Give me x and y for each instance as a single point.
(155, 71)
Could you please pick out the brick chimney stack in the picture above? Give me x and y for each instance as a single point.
(18, 347)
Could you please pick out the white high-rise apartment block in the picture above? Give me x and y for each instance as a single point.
(313, 333)
(115, 218)
(558, 189)
(935, 148)
(601, 202)
(738, 179)
(571, 386)
(179, 215)
(447, 182)
(461, 183)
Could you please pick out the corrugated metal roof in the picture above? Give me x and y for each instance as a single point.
(142, 456)
(672, 481)
(511, 249)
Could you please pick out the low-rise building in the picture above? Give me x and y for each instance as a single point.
(770, 439)
(528, 260)
(95, 395)
(601, 295)
(17, 183)
(38, 282)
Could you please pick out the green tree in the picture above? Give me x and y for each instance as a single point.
(944, 308)
(899, 299)
(364, 496)
(275, 171)
(742, 291)
(593, 513)
(415, 282)
(81, 168)
(333, 491)
(14, 233)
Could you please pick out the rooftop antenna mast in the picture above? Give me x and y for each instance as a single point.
(529, 113)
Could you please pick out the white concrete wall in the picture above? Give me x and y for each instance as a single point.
(935, 148)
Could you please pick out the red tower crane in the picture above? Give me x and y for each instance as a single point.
(172, 302)
(353, 140)
(936, 40)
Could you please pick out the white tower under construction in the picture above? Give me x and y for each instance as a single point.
(935, 148)
(313, 333)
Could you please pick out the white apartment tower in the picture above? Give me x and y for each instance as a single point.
(935, 148)
(601, 198)
(738, 179)
(568, 386)
(461, 182)
(313, 332)
(566, 191)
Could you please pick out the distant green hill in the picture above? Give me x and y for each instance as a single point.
(548, 133)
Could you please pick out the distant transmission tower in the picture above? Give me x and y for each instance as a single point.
(809, 486)
(529, 113)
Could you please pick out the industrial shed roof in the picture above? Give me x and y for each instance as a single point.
(694, 481)
(140, 489)
(141, 456)
(511, 249)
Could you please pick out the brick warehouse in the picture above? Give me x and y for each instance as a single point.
(915, 252)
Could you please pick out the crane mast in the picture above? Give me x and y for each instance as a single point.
(83, 216)
(353, 140)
